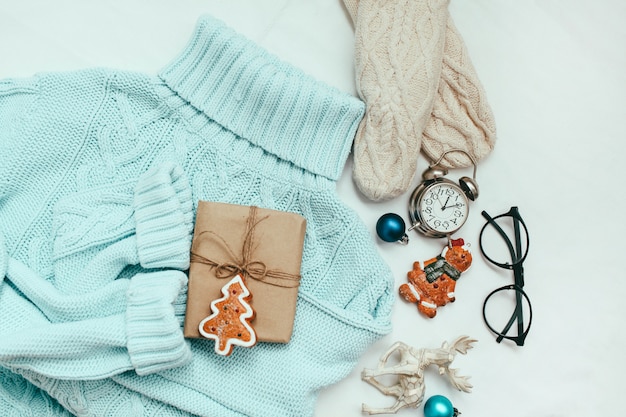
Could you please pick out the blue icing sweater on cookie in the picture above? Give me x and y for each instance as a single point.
(100, 177)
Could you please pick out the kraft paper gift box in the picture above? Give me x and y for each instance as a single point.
(264, 246)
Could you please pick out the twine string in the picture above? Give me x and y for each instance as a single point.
(243, 265)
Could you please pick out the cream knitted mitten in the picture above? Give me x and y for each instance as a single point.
(461, 117)
(415, 76)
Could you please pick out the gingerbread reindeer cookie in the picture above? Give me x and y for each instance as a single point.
(432, 282)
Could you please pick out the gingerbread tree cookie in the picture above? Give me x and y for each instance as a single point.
(229, 325)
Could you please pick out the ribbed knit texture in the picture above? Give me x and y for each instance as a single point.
(100, 174)
(421, 91)
(163, 209)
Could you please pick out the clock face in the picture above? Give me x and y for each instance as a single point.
(444, 207)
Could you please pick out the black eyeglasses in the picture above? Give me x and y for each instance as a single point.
(498, 303)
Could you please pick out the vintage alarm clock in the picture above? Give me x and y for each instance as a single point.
(438, 207)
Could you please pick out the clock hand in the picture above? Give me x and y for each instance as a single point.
(457, 205)
(440, 205)
(445, 206)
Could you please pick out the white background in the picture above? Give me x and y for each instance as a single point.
(555, 76)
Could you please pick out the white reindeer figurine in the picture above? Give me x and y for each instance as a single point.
(409, 389)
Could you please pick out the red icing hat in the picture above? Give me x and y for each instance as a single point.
(458, 242)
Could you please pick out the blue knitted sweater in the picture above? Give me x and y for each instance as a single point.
(100, 175)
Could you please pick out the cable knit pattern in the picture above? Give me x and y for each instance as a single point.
(399, 48)
(461, 117)
(415, 76)
(19, 398)
(101, 172)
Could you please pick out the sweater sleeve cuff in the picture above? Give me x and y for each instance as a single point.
(154, 337)
(164, 218)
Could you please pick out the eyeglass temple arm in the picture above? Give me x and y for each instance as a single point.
(518, 268)
(516, 316)
(518, 313)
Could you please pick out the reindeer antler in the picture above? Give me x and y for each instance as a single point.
(462, 344)
(459, 382)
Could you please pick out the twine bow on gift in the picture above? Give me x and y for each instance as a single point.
(243, 264)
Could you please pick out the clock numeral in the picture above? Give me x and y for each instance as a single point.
(428, 201)
(438, 224)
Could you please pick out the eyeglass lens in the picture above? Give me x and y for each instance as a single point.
(504, 240)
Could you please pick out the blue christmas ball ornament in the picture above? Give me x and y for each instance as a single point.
(439, 406)
(390, 227)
